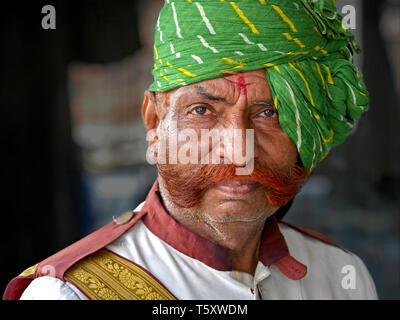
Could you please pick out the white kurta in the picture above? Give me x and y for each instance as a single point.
(189, 278)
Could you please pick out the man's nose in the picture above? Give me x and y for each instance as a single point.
(236, 143)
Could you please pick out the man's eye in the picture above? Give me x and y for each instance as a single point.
(200, 110)
(268, 113)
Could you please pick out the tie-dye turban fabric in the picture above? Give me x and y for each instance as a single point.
(305, 50)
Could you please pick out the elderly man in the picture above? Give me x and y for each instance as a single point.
(277, 79)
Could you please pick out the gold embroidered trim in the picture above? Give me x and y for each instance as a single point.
(29, 271)
(106, 276)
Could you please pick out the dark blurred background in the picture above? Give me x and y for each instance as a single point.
(74, 143)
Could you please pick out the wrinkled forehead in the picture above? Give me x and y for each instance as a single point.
(226, 89)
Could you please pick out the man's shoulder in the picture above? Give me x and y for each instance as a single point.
(310, 245)
(64, 259)
(309, 234)
(57, 265)
(316, 249)
(330, 264)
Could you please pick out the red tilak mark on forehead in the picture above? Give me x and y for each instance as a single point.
(241, 84)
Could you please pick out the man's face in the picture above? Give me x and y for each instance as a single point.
(236, 102)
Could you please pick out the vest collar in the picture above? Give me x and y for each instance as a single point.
(273, 250)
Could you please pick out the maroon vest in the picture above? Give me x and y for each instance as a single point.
(57, 264)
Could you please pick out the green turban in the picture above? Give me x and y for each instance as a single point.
(301, 44)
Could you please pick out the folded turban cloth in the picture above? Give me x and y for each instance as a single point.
(302, 45)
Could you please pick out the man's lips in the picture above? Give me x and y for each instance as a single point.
(237, 187)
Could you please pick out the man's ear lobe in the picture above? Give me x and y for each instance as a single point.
(149, 112)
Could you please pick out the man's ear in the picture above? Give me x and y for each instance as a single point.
(149, 111)
(151, 121)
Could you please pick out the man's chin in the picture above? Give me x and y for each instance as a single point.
(230, 230)
(233, 218)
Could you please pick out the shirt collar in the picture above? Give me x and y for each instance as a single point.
(273, 250)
